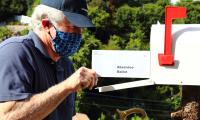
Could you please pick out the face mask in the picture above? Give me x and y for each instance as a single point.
(66, 44)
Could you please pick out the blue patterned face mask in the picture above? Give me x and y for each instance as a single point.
(65, 43)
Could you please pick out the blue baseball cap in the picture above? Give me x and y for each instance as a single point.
(75, 11)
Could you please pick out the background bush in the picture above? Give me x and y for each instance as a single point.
(9, 8)
(4, 33)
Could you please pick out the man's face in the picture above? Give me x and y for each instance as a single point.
(65, 26)
(49, 33)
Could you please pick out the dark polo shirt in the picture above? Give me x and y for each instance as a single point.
(26, 69)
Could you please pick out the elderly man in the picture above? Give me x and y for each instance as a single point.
(36, 77)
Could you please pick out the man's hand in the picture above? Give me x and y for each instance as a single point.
(82, 78)
(80, 116)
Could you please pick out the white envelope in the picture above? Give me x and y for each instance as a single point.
(117, 63)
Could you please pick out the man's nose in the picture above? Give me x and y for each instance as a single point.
(74, 29)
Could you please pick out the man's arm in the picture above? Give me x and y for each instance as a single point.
(41, 105)
(37, 107)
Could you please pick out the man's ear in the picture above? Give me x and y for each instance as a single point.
(45, 23)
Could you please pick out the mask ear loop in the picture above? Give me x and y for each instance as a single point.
(50, 33)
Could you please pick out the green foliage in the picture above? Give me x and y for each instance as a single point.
(99, 17)
(23, 32)
(12, 7)
(4, 33)
(163, 3)
(193, 9)
(135, 41)
(98, 3)
(139, 118)
(79, 97)
(150, 14)
(102, 117)
(173, 95)
(13, 23)
(9, 8)
(126, 17)
(114, 43)
(134, 44)
(132, 3)
(83, 57)
(31, 7)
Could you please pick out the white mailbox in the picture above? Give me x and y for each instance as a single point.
(185, 49)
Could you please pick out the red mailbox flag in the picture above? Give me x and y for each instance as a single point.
(171, 12)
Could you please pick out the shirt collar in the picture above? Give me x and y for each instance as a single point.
(38, 43)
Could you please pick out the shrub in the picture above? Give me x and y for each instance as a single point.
(4, 33)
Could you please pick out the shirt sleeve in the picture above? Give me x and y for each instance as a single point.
(16, 73)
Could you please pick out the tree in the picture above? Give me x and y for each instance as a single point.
(4, 33)
(31, 5)
(9, 8)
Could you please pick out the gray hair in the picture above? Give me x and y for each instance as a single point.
(43, 11)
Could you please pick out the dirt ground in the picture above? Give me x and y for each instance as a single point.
(17, 28)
